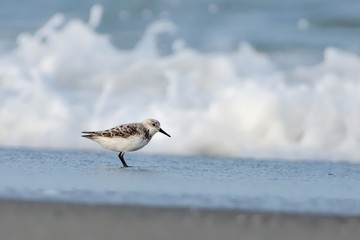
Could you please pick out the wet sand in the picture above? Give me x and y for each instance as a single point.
(59, 221)
(175, 181)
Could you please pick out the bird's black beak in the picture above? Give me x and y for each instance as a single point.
(162, 131)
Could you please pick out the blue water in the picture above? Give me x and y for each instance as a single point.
(168, 181)
(271, 26)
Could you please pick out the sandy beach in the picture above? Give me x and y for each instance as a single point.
(84, 195)
(58, 221)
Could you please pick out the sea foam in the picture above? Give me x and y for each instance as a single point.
(66, 77)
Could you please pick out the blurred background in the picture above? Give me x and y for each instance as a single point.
(269, 79)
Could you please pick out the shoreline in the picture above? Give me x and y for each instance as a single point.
(58, 220)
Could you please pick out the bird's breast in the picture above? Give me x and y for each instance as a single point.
(137, 143)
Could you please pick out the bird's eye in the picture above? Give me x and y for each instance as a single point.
(154, 124)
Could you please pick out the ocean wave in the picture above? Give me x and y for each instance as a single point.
(67, 77)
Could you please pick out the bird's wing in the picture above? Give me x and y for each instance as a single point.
(123, 131)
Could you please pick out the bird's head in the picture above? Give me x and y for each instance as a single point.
(154, 126)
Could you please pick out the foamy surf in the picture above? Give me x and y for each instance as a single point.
(66, 77)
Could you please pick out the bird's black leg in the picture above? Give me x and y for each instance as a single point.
(121, 157)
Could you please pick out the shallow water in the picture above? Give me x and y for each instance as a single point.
(170, 181)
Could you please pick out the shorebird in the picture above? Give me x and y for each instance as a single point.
(126, 137)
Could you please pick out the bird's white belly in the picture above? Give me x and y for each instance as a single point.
(119, 144)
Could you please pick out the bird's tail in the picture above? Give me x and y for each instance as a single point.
(88, 134)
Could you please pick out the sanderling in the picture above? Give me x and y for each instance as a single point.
(126, 137)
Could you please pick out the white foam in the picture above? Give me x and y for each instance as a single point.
(66, 77)
(95, 16)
